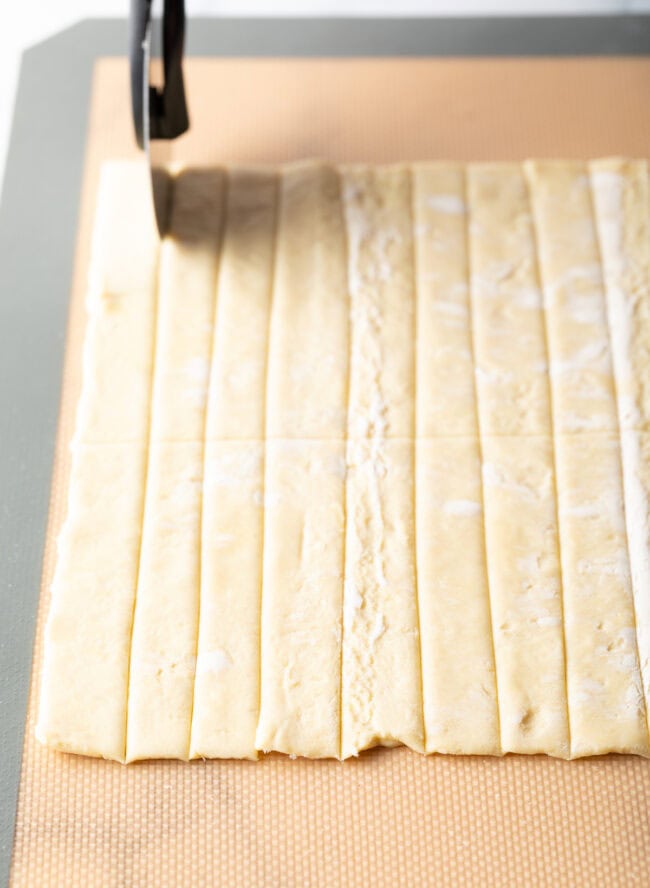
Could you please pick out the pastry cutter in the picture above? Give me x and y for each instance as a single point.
(157, 90)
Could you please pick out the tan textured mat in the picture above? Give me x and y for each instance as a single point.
(390, 817)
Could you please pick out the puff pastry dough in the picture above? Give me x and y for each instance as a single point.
(362, 457)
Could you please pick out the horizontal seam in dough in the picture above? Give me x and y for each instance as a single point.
(580, 433)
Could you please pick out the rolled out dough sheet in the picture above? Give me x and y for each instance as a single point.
(362, 458)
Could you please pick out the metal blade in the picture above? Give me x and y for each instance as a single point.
(158, 151)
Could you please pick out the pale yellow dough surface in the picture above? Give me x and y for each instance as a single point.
(362, 458)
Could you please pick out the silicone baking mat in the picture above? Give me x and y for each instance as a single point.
(391, 817)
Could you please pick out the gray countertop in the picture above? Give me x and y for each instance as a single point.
(38, 220)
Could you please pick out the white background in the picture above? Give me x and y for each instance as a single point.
(26, 22)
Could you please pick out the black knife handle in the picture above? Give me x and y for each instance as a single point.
(168, 116)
